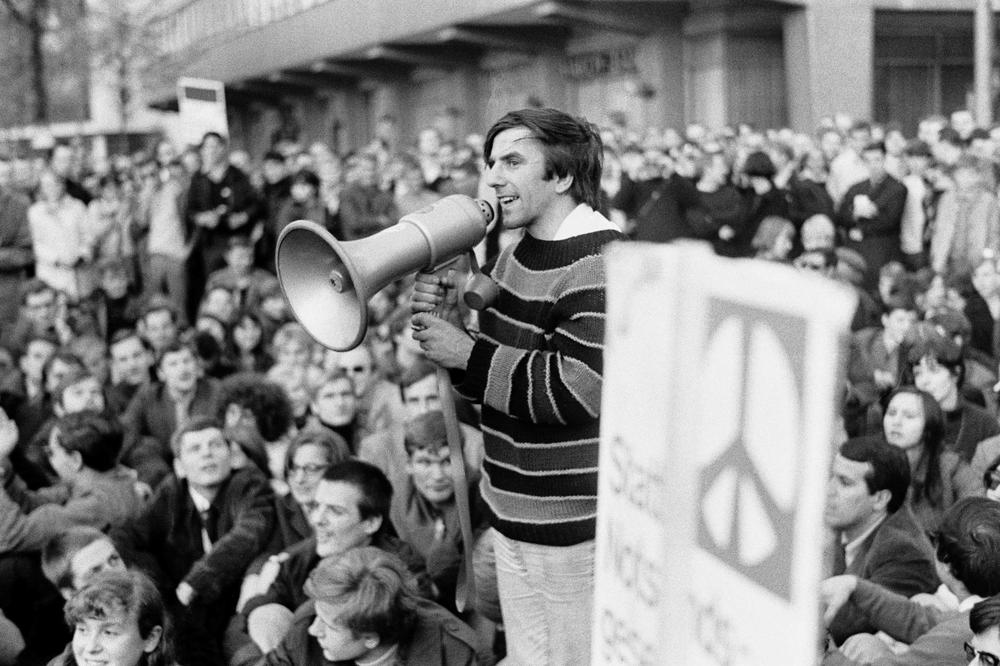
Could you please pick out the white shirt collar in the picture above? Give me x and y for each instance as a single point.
(968, 603)
(583, 220)
(851, 549)
(200, 503)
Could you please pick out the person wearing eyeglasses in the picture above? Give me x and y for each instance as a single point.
(983, 649)
(968, 562)
(351, 509)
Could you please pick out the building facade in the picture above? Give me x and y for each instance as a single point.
(328, 69)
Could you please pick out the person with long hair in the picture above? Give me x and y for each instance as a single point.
(914, 422)
(118, 618)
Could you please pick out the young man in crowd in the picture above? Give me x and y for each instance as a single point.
(423, 504)
(968, 561)
(366, 610)
(352, 509)
(83, 450)
(537, 371)
(76, 555)
(877, 537)
(157, 409)
(131, 365)
(200, 531)
(983, 649)
(419, 388)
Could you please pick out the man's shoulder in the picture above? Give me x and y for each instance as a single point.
(899, 533)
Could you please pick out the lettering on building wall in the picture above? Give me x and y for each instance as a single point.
(616, 61)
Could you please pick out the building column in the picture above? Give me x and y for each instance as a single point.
(829, 55)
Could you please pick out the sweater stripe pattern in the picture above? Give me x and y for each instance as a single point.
(536, 367)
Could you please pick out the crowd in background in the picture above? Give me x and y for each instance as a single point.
(147, 351)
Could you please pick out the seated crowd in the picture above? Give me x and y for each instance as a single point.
(188, 478)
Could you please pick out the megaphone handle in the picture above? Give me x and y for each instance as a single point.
(465, 590)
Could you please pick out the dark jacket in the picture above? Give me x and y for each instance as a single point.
(235, 194)
(897, 556)
(661, 208)
(169, 530)
(151, 420)
(438, 639)
(288, 589)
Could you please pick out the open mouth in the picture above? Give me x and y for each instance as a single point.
(507, 200)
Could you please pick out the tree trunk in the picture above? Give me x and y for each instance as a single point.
(40, 112)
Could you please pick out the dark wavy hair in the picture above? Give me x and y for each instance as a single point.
(128, 593)
(572, 147)
(932, 445)
(968, 541)
(889, 467)
(266, 399)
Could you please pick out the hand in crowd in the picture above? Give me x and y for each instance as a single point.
(834, 593)
(185, 594)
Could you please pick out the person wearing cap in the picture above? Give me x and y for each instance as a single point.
(871, 213)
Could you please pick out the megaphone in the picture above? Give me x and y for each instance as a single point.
(328, 282)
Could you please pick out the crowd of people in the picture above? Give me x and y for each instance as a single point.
(188, 478)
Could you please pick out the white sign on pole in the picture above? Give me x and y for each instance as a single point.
(202, 107)
(720, 380)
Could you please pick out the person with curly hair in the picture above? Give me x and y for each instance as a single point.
(248, 400)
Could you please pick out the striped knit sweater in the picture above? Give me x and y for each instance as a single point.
(536, 368)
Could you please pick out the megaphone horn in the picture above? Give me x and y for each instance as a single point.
(328, 282)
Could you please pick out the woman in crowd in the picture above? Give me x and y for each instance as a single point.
(774, 239)
(247, 346)
(118, 619)
(914, 422)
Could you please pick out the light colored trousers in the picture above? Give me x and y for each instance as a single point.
(547, 600)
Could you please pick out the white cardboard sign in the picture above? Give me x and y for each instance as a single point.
(720, 384)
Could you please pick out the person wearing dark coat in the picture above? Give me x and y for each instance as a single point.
(760, 199)
(871, 214)
(221, 203)
(365, 607)
(877, 537)
(661, 205)
(158, 408)
(361, 493)
(199, 533)
(16, 254)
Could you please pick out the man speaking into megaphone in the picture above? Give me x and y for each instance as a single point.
(536, 367)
